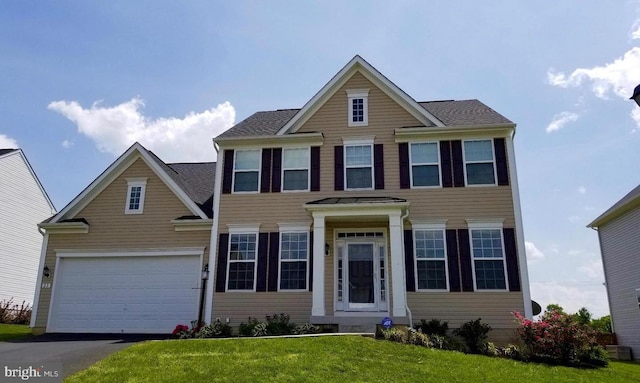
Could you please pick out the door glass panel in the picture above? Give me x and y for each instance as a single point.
(361, 277)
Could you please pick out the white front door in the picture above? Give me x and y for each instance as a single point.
(361, 275)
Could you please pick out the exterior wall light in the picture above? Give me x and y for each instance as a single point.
(636, 95)
(45, 272)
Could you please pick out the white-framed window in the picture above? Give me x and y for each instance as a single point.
(488, 258)
(136, 188)
(242, 265)
(424, 158)
(294, 256)
(295, 169)
(358, 166)
(246, 171)
(431, 259)
(358, 107)
(479, 162)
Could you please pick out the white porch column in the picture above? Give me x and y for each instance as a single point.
(397, 266)
(317, 298)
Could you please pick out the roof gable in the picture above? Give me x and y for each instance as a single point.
(625, 204)
(9, 152)
(358, 64)
(123, 162)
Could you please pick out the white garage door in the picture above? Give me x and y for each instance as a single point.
(142, 294)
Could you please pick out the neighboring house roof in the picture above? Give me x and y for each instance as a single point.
(628, 202)
(8, 152)
(189, 181)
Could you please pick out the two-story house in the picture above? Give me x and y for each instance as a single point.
(364, 204)
(361, 205)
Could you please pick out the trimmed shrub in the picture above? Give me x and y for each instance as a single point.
(279, 324)
(474, 335)
(216, 329)
(260, 329)
(246, 329)
(433, 327)
(395, 335)
(306, 328)
(558, 339)
(14, 313)
(418, 338)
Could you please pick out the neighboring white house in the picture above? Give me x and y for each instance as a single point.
(23, 204)
(619, 235)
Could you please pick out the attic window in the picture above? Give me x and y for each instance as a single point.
(135, 195)
(358, 107)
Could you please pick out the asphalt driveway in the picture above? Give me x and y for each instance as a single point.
(75, 351)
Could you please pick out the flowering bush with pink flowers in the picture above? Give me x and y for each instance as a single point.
(558, 339)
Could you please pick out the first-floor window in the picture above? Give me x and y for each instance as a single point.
(294, 249)
(242, 261)
(488, 259)
(431, 259)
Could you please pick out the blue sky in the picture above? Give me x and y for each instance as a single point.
(80, 81)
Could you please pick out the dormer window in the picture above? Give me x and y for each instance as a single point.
(358, 107)
(135, 195)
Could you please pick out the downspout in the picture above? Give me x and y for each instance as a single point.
(406, 303)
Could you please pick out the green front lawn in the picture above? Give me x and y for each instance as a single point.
(13, 331)
(325, 359)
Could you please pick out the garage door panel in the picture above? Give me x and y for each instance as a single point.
(125, 294)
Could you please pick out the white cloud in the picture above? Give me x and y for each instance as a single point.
(8, 142)
(67, 144)
(582, 190)
(572, 296)
(592, 269)
(635, 114)
(574, 252)
(618, 77)
(114, 129)
(635, 30)
(533, 253)
(560, 120)
(574, 219)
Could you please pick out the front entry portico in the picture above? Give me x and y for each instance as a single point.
(367, 263)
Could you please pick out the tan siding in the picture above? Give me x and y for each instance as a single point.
(457, 308)
(111, 229)
(620, 243)
(238, 306)
(453, 204)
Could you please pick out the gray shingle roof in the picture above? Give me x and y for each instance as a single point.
(464, 112)
(617, 208)
(195, 178)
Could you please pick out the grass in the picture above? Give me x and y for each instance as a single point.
(13, 331)
(325, 359)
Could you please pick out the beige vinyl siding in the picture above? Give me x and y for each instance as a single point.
(239, 306)
(110, 229)
(620, 244)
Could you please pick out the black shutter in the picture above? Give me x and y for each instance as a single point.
(276, 177)
(227, 175)
(221, 268)
(265, 178)
(274, 254)
(408, 260)
(263, 249)
(311, 261)
(338, 160)
(511, 252)
(501, 161)
(315, 168)
(404, 165)
(445, 164)
(378, 165)
(458, 163)
(465, 260)
(452, 260)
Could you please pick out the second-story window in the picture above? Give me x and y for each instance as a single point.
(358, 166)
(295, 169)
(425, 164)
(246, 171)
(479, 162)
